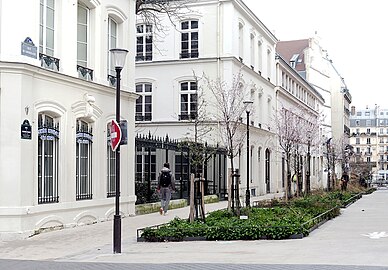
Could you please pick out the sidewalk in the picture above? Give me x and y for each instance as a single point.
(357, 237)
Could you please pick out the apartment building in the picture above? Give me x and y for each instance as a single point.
(218, 39)
(295, 95)
(312, 62)
(57, 98)
(369, 138)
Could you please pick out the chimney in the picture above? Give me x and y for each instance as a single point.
(353, 110)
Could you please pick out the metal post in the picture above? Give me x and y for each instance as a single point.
(117, 217)
(308, 173)
(248, 192)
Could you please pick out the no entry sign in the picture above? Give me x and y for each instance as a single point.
(115, 135)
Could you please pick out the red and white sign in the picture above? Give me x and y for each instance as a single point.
(115, 135)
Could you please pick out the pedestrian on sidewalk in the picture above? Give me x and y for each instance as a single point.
(344, 181)
(166, 185)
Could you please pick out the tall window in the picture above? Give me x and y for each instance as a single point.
(269, 63)
(188, 100)
(82, 44)
(82, 36)
(111, 166)
(144, 42)
(259, 55)
(84, 140)
(241, 41)
(48, 137)
(144, 102)
(112, 44)
(46, 27)
(252, 44)
(189, 39)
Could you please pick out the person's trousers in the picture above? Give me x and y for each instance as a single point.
(165, 197)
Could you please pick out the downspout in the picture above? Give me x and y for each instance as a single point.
(218, 39)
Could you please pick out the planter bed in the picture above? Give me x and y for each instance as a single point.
(293, 220)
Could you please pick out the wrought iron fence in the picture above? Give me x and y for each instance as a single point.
(152, 152)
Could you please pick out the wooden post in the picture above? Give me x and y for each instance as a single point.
(229, 184)
(192, 207)
(202, 185)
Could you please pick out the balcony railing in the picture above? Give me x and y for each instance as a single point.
(144, 57)
(112, 80)
(188, 116)
(85, 73)
(49, 62)
(140, 117)
(192, 54)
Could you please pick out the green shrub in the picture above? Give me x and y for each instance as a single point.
(277, 222)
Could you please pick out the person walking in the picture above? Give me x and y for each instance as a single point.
(344, 181)
(166, 184)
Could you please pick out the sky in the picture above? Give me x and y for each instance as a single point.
(354, 33)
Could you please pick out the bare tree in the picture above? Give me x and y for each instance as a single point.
(150, 11)
(288, 133)
(229, 110)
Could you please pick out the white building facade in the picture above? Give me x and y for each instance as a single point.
(57, 98)
(218, 39)
(295, 95)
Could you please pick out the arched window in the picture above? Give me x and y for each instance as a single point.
(111, 166)
(84, 140)
(144, 42)
(188, 100)
(189, 39)
(48, 148)
(144, 102)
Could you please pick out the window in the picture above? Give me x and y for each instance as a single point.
(144, 42)
(367, 113)
(241, 41)
(368, 159)
(252, 50)
(368, 123)
(357, 140)
(46, 27)
(111, 165)
(144, 102)
(368, 131)
(84, 140)
(358, 113)
(46, 35)
(269, 63)
(112, 43)
(188, 100)
(367, 140)
(358, 150)
(48, 138)
(189, 39)
(146, 175)
(357, 122)
(259, 55)
(82, 44)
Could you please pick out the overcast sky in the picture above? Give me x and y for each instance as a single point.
(354, 32)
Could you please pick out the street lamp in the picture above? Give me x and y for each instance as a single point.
(118, 59)
(248, 104)
(328, 163)
(308, 173)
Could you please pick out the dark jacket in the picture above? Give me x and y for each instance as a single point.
(172, 185)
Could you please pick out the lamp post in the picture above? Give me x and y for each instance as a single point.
(328, 163)
(308, 173)
(118, 59)
(248, 104)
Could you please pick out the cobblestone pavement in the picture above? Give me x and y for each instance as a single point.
(44, 265)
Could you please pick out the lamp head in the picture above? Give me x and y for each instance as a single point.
(118, 57)
(248, 105)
